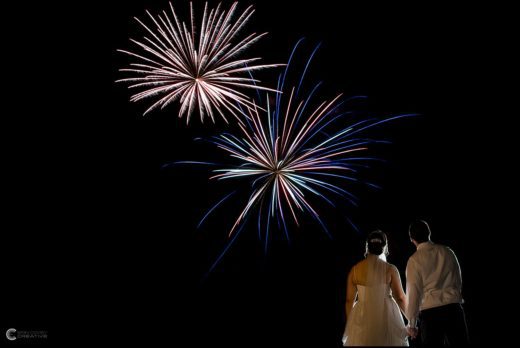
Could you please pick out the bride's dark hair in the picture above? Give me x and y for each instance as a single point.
(376, 243)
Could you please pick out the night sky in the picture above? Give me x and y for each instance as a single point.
(96, 221)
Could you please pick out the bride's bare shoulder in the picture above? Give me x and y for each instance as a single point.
(361, 266)
(391, 268)
(361, 263)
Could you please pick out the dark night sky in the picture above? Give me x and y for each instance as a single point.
(124, 230)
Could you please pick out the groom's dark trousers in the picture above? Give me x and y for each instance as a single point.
(443, 326)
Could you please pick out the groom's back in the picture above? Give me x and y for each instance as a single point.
(440, 273)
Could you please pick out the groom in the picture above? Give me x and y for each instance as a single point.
(433, 288)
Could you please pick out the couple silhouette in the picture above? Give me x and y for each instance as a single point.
(432, 304)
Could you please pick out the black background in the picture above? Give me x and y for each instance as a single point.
(95, 227)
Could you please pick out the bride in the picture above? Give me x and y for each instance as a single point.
(373, 318)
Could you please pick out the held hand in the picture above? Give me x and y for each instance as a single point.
(412, 331)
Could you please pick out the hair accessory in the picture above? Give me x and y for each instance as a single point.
(376, 240)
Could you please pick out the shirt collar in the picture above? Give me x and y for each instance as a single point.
(424, 244)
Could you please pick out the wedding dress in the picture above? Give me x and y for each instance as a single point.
(375, 319)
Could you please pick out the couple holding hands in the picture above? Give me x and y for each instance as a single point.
(432, 303)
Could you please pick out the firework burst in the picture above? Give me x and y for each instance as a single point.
(294, 151)
(200, 70)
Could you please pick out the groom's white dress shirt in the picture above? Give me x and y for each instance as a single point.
(433, 279)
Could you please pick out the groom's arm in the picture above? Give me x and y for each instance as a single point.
(413, 292)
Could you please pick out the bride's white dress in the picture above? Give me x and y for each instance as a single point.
(375, 319)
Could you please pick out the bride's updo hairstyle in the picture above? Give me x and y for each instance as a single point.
(376, 243)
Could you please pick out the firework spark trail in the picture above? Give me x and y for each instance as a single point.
(173, 63)
(285, 155)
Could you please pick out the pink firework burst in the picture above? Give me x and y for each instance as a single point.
(200, 70)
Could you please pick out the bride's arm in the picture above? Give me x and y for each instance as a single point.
(351, 292)
(397, 289)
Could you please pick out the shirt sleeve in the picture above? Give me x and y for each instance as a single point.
(413, 292)
(456, 269)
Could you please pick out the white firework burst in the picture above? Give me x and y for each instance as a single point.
(202, 72)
